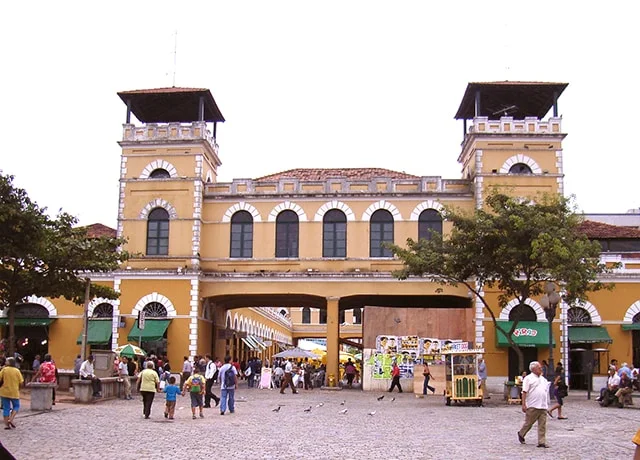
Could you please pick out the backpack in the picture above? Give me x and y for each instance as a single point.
(196, 384)
(229, 378)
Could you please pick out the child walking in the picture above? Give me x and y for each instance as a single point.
(172, 390)
(195, 386)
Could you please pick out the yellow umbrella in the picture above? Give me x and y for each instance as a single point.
(344, 356)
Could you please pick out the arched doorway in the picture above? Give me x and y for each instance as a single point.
(522, 312)
(31, 331)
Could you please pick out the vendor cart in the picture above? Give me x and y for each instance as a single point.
(463, 384)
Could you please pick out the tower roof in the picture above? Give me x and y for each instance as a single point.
(163, 105)
(518, 99)
(321, 174)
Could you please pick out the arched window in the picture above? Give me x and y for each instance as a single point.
(155, 310)
(578, 315)
(636, 318)
(323, 317)
(242, 235)
(158, 233)
(334, 234)
(381, 231)
(522, 312)
(287, 234)
(357, 316)
(429, 222)
(306, 315)
(159, 173)
(520, 168)
(104, 310)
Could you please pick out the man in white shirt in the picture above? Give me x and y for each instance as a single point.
(210, 372)
(123, 373)
(607, 392)
(86, 373)
(535, 393)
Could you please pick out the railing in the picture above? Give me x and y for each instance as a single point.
(507, 125)
(168, 132)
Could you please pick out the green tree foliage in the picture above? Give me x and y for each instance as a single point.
(47, 257)
(512, 245)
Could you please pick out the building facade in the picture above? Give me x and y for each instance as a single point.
(247, 267)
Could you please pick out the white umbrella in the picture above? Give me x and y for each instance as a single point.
(295, 353)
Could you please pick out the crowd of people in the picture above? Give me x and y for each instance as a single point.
(621, 381)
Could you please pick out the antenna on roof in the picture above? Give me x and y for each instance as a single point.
(175, 56)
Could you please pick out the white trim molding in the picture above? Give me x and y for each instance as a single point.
(242, 206)
(334, 204)
(382, 204)
(520, 158)
(428, 204)
(273, 215)
(158, 203)
(537, 308)
(159, 164)
(154, 297)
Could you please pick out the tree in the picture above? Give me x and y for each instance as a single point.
(512, 245)
(47, 257)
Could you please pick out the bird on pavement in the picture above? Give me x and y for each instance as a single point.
(277, 409)
(372, 413)
(308, 409)
(380, 398)
(343, 411)
(393, 399)
(320, 404)
(344, 401)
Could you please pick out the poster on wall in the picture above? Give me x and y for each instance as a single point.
(406, 351)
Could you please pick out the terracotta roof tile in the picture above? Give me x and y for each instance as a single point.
(599, 230)
(321, 174)
(99, 230)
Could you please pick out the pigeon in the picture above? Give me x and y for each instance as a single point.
(372, 413)
(344, 401)
(393, 399)
(277, 409)
(343, 411)
(308, 409)
(380, 398)
(320, 404)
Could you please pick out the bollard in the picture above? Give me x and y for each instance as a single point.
(332, 380)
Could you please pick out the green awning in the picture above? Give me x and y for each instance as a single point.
(526, 334)
(154, 329)
(589, 334)
(99, 332)
(631, 327)
(27, 321)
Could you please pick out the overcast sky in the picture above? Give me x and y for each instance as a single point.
(311, 84)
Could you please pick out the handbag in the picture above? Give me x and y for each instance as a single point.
(162, 384)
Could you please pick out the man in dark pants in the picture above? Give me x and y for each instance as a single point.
(395, 378)
(209, 374)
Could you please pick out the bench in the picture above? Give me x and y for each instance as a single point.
(112, 387)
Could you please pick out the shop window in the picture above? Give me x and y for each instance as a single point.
(334, 234)
(429, 222)
(522, 312)
(242, 235)
(287, 234)
(158, 233)
(381, 231)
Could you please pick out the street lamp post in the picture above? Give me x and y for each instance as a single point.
(550, 302)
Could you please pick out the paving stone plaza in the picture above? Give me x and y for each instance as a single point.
(404, 428)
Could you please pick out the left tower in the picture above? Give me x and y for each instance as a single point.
(169, 153)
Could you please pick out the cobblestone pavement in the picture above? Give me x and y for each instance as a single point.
(404, 428)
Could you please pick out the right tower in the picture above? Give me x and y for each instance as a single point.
(509, 144)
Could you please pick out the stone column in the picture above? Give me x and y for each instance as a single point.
(333, 339)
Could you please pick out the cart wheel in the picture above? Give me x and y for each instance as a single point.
(448, 401)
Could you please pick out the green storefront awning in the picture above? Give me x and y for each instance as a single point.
(526, 334)
(631, 327)
(589, 334)
(154, 329)
(99, 332)
(27, 321)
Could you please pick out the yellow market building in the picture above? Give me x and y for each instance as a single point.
(250, 266)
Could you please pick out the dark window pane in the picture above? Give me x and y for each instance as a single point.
(242, 235)
(158, 232)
